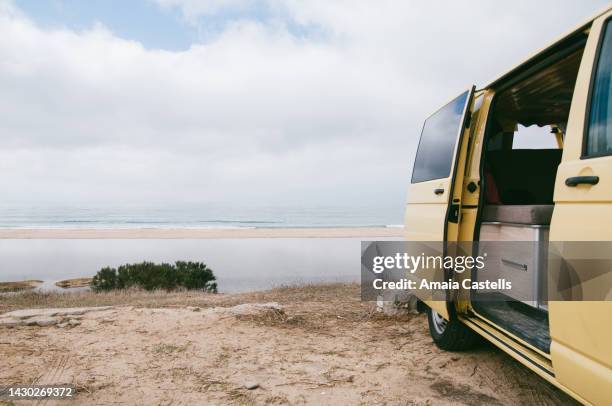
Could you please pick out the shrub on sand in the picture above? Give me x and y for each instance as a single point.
(151, 276)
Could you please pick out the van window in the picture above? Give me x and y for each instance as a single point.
(534, 137)
(599, 136)
(435, 153)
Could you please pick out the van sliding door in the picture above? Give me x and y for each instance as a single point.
(433, 204)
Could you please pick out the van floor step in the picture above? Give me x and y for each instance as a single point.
(526, 322)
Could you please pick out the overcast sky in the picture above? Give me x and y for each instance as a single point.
(251, 102)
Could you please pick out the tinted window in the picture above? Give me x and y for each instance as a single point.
(599, 136)
(435, 154)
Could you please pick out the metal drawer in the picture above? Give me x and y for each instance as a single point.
(520, 261)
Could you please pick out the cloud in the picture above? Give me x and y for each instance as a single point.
(264, 111)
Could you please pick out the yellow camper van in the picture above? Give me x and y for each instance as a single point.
(527, 158)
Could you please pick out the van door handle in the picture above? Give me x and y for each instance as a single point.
(582, 180)
(514, 264)
(438, 191)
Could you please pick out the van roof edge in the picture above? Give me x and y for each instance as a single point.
(537, 54)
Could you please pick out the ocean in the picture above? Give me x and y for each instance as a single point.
(197, 216)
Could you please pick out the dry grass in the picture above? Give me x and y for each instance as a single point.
(74, 283)
(324, 293)
(19, 286)
(277, 318)
(168, 349)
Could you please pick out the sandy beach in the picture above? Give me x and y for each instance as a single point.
(204, 233)
(296, 345)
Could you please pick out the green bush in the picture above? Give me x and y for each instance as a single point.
(150, 276)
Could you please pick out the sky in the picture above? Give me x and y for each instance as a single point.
(250, 102)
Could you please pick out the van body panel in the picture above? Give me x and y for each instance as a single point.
(425, 216)
(581, 332)
(466, 226)
(582, 374)
(424, 220)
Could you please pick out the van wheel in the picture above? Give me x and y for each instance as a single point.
(450, 335)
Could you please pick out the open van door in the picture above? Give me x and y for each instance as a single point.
(434, 197)
(581, 331)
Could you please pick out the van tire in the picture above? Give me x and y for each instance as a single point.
(450, 335)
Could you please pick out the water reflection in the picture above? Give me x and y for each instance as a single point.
(239, 264)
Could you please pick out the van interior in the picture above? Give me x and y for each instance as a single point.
(522, 151)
